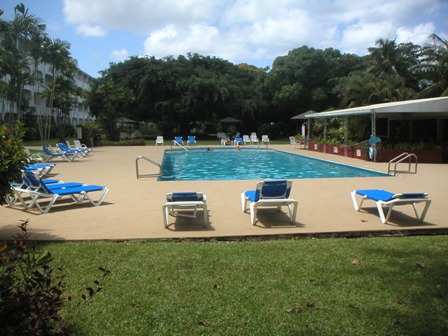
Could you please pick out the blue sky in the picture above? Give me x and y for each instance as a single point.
(241, 31)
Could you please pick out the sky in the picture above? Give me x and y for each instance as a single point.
(255, 32)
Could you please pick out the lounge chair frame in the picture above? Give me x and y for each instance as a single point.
(78, 192)
(52, 153)
(269, 200)
(184, 204)
(388, 200)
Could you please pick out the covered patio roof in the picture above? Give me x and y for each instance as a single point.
(428, 106)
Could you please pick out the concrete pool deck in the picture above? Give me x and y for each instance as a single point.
(132, 209)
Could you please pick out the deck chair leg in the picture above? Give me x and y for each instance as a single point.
(165, 215)
(379, 206)
(416, 212)
(425, 210)
(204, 208)
(294, 213)
(253, 213)
(47, 207)
(243, 202)
(355, 202)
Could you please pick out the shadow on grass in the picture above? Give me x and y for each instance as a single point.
(416, 279)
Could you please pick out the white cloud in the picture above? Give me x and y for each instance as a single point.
(417, 35)
(119, 55)
(90, 31)
(176, 40)
(358, 37)
(254, 31)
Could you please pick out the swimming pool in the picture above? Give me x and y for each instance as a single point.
(250, 164)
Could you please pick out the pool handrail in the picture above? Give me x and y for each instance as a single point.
(178, 144)
(150, 161)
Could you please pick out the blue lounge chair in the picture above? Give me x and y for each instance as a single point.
(184, 204)
(41, 168)
(238, 141)
(387, 199)
(269, 193)
(179, 140)
(191, 140)
(78, 192)
(65, 149)
(51, 153)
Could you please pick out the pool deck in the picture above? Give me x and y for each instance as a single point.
(132, 209)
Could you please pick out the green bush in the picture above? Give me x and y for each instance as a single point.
(12, 157)
(32, 292)
(134, 142)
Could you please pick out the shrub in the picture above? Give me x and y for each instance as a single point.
(12, 157)
(31, 292)
(30, 299)
(133, 142)
(272, 130)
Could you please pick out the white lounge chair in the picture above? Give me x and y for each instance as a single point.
(254, 139)
(246, 140)
(387, 199)
(80, 146)
(293, 141)
(264, 139)
(221, 135)
(269, 193)
(159, 140)
(33, 158)
(184, 204)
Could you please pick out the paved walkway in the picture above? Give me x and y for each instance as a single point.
(133, 208)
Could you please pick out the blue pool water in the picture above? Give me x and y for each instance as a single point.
(250, 164)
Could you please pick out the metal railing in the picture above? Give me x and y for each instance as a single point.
(399, 159)
(175, 143)
(150, 161)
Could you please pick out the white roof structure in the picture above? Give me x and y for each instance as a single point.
(428, 107)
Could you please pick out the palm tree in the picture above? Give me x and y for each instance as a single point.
(384, 56)
(17, 38)
(435, 67)
(57, 54)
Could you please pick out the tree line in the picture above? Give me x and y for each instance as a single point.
(179, 92)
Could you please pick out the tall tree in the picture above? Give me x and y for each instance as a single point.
(16, 43)
(435, 67)
(63, 67)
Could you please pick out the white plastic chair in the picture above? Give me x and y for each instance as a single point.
(246, 139)
(159, 140)
(254, 139)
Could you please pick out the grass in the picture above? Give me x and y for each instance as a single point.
(372, 286)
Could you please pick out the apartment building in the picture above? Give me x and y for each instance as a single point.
(79, 112)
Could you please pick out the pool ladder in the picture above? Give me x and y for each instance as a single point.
(150, 161)
(400, 158)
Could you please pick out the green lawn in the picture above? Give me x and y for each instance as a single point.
(371, 286)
